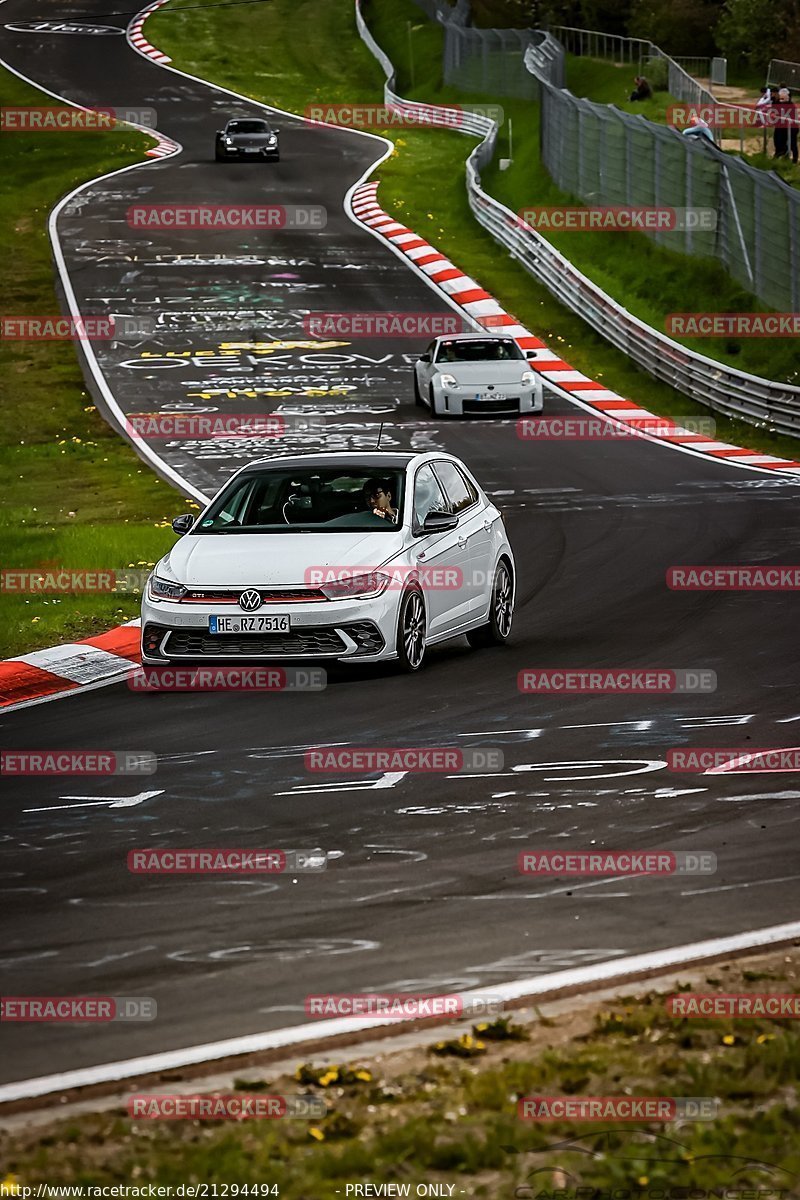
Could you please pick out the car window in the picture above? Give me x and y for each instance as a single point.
(460, 493)
(479, 350)
(280, 499)
(247, 127)
(428, 495)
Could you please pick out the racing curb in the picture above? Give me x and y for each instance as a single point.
(63, 669)
(139, 41)
(482, 308)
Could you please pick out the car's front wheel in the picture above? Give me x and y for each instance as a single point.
(420, 403)
(411, 631)
(497, 629)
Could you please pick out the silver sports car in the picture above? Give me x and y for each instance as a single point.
(473, 373)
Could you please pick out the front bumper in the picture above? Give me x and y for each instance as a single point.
(241, 152)
(510, 401)
(338, 630)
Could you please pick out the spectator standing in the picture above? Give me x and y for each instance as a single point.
(781, 113)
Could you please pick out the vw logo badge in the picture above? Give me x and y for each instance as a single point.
(250, 600)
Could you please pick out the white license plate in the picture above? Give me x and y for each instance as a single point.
(490, 395)
(263, 624)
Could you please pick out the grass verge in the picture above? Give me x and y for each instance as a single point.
(75, 495)
(446, 1114)
(423, 181)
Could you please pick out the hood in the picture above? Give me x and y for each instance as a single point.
(277, 560)
(485, 373)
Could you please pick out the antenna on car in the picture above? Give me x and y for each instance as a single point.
(380, 433)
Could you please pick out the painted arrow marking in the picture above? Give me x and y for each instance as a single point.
(109, 801)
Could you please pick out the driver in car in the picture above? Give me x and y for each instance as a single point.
(378, 497)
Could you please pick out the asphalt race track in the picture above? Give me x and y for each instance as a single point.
(421, 892)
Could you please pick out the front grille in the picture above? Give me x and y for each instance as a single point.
(509, 404)
(198, 643)
(295, 595)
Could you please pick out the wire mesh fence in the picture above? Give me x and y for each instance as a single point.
(604, 156)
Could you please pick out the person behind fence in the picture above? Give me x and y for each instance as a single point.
(790, 111)
(698, 128)
(762, 102)
(642, 90)
(781, 112)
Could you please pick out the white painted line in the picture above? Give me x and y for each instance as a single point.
(108, 801)
(656, 962)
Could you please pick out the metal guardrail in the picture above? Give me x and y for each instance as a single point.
(720, 387)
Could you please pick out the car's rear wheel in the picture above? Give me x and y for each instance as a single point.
(411, 631)
(497, 629)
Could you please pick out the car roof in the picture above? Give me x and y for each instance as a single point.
(475, 337)
(376, 459)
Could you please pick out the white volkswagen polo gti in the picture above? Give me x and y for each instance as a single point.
(352, 557)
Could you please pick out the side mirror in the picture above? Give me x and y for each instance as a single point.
(424, 358)
(439, 522)
(183, 523)
(276, 131)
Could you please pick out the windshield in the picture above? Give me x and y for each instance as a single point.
(331, 499)
(248, 127)
(491, 350)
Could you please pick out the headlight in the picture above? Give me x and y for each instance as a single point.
(528, 378)
(228, 141)
(271, 140)
(164, 589)
(449, 381)
(356, 587)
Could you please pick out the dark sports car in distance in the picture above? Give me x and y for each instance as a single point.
(248, 137)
